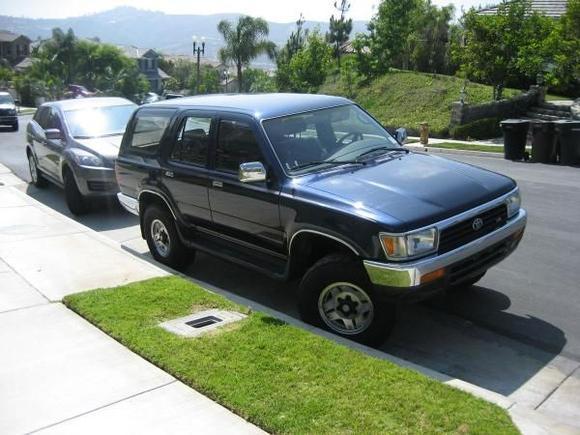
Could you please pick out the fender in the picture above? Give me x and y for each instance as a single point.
(320, 233)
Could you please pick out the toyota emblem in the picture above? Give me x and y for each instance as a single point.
(477, 224)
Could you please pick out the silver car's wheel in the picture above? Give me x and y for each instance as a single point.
(161, 238)
(33, 169)
(346, 308)
(35, 175)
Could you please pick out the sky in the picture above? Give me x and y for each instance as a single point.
(272, 10)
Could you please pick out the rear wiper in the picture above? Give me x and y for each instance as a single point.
(327, 162)
(383, 148)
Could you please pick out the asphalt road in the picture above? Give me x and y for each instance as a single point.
(520, 316)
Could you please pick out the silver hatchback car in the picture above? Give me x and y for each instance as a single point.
(74, 144)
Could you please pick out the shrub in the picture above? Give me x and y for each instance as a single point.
(481, 129)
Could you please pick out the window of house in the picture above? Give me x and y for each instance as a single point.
(148, 131)
(236, 144)
(193, 141)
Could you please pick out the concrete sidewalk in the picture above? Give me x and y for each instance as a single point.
(60, 374)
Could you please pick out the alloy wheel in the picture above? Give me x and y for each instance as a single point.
(160, 237)
(346, 308)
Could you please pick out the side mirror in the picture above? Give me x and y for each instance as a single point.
(252, 172)
(401, 135)
(17, 102)
(53, 134)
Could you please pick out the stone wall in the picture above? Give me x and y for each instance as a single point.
(464, 113)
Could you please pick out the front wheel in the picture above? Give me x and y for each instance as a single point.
(163, 240)
(74, 198)
(337, 295)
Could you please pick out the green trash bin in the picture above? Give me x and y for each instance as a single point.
(543, 141)
(568, 134)
(515, 133)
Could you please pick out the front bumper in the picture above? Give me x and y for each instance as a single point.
(407, 280)
(8, 119)
(96, 181)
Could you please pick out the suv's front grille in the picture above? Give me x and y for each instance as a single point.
(466, 231)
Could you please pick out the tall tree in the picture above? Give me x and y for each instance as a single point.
(245, 41)
(295, 43)
(340, 28)
(508, 48)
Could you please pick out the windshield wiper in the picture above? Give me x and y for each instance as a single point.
(383, 148)
(326, 162)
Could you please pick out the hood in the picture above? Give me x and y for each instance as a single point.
(107, 147)
(413, 189)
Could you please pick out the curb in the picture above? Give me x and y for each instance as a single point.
(436, 150)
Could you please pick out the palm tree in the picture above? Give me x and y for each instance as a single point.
(244, 42)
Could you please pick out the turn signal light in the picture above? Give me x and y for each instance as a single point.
(432, 276)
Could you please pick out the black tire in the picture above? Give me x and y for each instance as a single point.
(348, 274)
(75, 200)
(36, 176)
(466, 285)
(15, 126)
(176, 255)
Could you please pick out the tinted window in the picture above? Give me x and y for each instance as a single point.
(236, 144)
(41, 116)
(148, 131)
(53, 120)
(193, 141)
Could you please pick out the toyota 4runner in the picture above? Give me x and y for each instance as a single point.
(312, 187)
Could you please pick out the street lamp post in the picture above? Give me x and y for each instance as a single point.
(199, 50)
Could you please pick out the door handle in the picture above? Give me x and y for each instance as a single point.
(218, 184)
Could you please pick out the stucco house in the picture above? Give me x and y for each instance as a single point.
(148, 62)
(14, 47)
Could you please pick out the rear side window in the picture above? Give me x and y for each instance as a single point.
(41, 116)
(148, 131)
(193, 141)
(236, 144)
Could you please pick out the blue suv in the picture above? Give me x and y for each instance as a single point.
(311, 187)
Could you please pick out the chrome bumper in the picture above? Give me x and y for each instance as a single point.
(409, 274)
(128, 203)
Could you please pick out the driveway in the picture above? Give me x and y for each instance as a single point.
(516, 333)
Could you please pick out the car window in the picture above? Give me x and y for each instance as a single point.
(236, 144)
(193, 141)
(53, 120)
(148, 131)
(41, 117)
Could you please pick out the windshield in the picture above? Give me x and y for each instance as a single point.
(327, 137)
(6, 99)
(98, 121)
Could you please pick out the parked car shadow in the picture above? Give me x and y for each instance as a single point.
(477, 345)
(104, 215)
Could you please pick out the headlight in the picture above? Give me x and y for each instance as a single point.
(402, 246)
(84, 158)
(513, 203)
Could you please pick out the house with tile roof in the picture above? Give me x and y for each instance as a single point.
(551, 8)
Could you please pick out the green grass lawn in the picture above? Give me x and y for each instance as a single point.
(469, 147)
(280, 377)
(405, 98)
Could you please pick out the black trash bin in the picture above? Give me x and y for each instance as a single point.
(568, 135)
(543, 141)
(515, 133)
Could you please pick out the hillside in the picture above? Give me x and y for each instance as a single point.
(405, 98)
(168, 33)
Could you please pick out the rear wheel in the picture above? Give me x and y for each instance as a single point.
(36, 176)
(163, 240)
(337, 295)
(74, 198)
